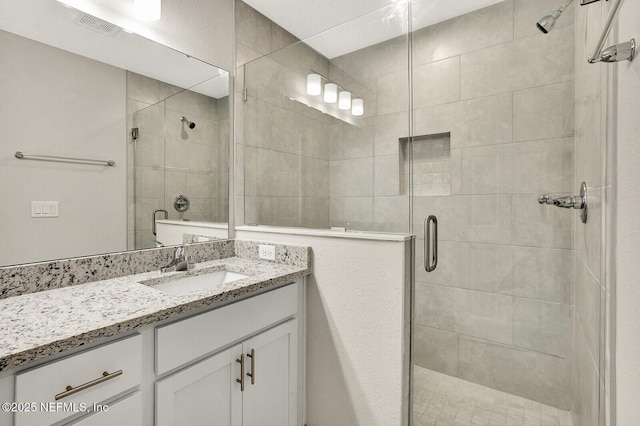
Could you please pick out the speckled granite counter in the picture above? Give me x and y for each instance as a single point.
(41, 324)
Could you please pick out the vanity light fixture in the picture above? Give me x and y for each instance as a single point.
(150, 10)
(357, 107)
(344, 100)
(331, 93)
(314, 84)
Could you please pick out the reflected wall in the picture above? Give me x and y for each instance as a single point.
(168, 158)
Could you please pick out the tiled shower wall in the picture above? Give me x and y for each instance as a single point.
(497, 311)
(590, 374)
(169, 159)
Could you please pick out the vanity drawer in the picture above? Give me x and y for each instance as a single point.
(121, 360)
(179, 343)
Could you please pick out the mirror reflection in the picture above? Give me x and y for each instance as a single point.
(76, 88)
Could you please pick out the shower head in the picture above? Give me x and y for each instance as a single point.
(547, 23)
(191, 124)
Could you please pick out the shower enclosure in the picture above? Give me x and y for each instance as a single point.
(466, 119)
(178, 156)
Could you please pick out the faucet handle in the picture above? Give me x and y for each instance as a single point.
(179, 252)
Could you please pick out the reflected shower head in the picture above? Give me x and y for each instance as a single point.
(547, 23)
(191, 124)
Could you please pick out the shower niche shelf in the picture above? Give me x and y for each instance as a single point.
(431, 165)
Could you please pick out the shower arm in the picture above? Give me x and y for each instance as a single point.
(612, 52)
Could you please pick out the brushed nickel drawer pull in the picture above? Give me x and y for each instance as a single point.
(252, 355)
(70, 390)
(241, 379)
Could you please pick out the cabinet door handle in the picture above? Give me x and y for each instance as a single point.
(70, 390)
(241, 379)
(252, 355)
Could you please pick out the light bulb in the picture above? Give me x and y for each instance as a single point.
(357, 107)
(330, 93)
(148, 9)
(344, 100)
(314, 84)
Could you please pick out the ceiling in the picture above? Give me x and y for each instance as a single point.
(338, 27)
(51, 22)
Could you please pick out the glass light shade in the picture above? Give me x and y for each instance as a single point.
(314, 84)
(330, 93)
(150, 10)
(344, 100)
(357, 107)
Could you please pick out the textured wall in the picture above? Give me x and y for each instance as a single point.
(61, 104)
(627, 239)
(356, 313)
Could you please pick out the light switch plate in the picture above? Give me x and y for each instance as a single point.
(44, 209)
(267, 252)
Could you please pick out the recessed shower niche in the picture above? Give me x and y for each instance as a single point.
(431, 164)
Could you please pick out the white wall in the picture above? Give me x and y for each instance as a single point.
(172, 232)
(355, 324)
(628, 229)
(58, 103)
(200, 28)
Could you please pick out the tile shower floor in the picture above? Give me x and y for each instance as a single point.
(444, 400)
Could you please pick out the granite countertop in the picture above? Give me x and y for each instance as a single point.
(37, 325)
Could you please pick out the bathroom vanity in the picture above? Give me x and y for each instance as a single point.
(125, 351)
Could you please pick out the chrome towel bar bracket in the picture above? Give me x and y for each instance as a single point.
(572, 202)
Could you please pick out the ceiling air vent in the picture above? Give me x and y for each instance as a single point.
(96, 24)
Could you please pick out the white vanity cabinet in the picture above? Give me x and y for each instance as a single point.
(204, 394)
(127, 411)
(254, 382)
(72, 385)
(250, 384)
(236, 365)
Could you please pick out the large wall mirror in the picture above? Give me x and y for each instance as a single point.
(80, 89)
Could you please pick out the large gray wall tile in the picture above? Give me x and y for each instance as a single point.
(540, 225)
(436, 83)
(472, 313)
(545, 112)
(542, 326)
(482, 28)
(353, 178)
(521, 64)
(530, 272)
(525, 373)
(436, 349)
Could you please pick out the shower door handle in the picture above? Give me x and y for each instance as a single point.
(430, 243)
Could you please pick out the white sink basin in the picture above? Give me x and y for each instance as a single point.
(179, 285)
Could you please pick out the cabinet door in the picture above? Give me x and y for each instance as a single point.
(270, 397)
(204, 394)
(125, 412)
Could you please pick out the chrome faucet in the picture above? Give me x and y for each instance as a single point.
(180, 262)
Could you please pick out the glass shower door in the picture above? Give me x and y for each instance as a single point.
(148, 143)
(493, 319)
